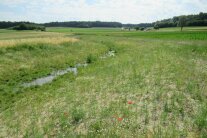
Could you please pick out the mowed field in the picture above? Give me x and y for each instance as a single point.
(154, 85)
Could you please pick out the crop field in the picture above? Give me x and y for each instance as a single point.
(132, 84)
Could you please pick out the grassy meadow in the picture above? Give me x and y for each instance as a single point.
(154, 86)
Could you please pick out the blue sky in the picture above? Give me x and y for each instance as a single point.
(125, 11)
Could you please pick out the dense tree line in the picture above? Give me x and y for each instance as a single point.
(83, 24)
(4, 24)
(78, 24)
(21, 26)
(139, 25)
(95, 24)
(190, 20)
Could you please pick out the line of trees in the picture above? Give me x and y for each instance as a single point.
(187, 20)
(181, 21)
(4, 24)
(84, 24)
(78, 24)
(21, 26)
(138, 25)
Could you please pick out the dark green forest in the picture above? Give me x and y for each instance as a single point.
(190, 20)
(83, 24)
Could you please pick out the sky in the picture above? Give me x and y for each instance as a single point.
(124, 11)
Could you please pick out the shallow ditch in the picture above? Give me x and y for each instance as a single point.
(48, 79)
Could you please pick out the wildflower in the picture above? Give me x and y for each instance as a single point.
(119, 119)
(130, 102)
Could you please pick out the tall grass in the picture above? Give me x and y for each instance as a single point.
(32, 41)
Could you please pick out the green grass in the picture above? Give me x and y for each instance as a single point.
(162, 72)
(168, 34)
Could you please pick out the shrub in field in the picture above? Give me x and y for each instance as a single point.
(77, 115)
(113, 48)
(137, 28)
(24, 26)
(142, 29)
(96, 126)
(90, 59)
(156, 27)
(201, 121)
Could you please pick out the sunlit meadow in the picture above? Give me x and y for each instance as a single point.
(153, 85)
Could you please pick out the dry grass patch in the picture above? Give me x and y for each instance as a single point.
(49, 40)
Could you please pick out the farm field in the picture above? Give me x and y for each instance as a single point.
(153, 85)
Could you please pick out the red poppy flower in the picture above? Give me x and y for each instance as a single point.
(130, 102)
(119, 119)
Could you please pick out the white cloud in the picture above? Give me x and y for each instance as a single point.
(126, 11)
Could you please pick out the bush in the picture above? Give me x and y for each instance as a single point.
(156, 27)
(142, 29)
(96, 126)
(201, 121)
(77, 115)
(137, 28)
(24, 26)
(90, 59)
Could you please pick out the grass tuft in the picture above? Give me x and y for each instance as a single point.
(78, 115)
